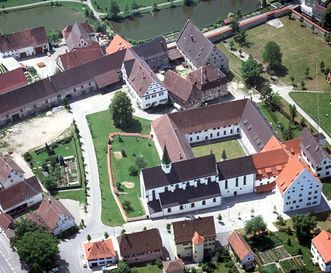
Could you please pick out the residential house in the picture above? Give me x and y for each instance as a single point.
(79, 35)
(202, 85)
(299, 187)
(143, 84)
(314, 153)
(154, 53)
(198, 50)
(78, 57)
(20, 195)
(118, 43)
(140, 247)
(12, 80)
(10, 172)
(241, 250)
(194, 238)
(53, 215)
(24, 43)
(321, 250)
(173, 266)
(99, 253)
(7, 225)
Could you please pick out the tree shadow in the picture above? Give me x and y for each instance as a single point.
(279, 71)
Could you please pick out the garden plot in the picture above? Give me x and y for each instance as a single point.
(292, 263)
(273, 255)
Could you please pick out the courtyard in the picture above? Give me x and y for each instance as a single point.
(232, 149)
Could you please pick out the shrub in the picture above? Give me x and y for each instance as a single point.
(123, 153)
(133, 171)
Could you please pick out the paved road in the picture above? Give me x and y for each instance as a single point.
(9, 260)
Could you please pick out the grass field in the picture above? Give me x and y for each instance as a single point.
(232, 149)
(300, 48)
(271, 268)
(148, 269)
(309, 102)
(103, 5)
(101, 125)
(134, 148)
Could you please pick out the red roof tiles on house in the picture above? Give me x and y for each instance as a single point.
(7, 165)
(272, 144)
(239, 245)
(81, 56)
(197, 239)
(12, 80)
(25, 38)
(322, 243)
(99, 249)
(173, 266)
(117, 44)
(265, 188)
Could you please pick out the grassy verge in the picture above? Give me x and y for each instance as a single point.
(316, 105)
(135, 149)
(101, 125)
(232, 149)
(271, 268)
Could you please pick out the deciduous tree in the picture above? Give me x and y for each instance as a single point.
(255, 226)
(304, 224)
(251, 71)
(122, 110)
(272, 55)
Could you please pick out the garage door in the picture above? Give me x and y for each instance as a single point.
(23, 54)
(39, 50)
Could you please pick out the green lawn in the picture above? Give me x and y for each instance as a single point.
(134, 148)
(271, 268)
(148, 269)
(78, 195)
(232, 149)
(101, 125)
(309, 102)
(300, 48)
(104, 5)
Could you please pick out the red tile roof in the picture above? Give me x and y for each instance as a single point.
(266, 187)
(12, 80)
(293, 168)
(293, 146)
(25, 38)
(173, 266)
(322, 243)
(81, 56)
(272, 144)
(49, 213)
(117, 44)
(197, 239)
(270, 163)
(239, 245)
(99, 249)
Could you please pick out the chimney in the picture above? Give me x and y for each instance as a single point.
(317, 148)
(49, 200)
(192, 38)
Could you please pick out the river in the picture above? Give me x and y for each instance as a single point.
(148, 25)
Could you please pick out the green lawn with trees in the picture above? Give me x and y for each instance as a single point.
(232, 149)
(300, 49)
(309, 102)
(137, 153)
(49, 159)
(101, 124)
